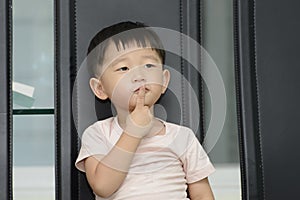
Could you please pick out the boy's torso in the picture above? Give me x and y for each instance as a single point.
(156, 165)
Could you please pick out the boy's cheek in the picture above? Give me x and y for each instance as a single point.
(157, 80)
(121, 94)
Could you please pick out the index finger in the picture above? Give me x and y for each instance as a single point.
(140, 101)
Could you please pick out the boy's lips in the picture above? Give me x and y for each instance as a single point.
(136, 90)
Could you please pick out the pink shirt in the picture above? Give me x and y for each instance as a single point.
(162, 166)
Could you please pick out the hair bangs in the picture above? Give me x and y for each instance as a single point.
(143, 38)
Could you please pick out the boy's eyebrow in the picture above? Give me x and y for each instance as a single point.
(151, 57)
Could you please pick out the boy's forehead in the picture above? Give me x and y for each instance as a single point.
(112, 52)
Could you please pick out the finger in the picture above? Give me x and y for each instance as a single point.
(140, 101)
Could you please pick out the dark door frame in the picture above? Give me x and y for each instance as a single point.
(247, 103)
(5, 102)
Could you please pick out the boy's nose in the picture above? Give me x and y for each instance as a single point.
(138, 75)
(138, 78)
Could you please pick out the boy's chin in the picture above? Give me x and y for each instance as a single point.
(132, 107)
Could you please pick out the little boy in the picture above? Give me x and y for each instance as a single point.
(135, 155)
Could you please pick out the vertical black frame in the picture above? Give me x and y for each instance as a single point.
(191, 25)
(5, 103)
(66, 176)
(267, 70)
(247, 101)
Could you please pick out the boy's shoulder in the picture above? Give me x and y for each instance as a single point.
(178, 128)
(99, 127)
(179, 133)
(100, 123)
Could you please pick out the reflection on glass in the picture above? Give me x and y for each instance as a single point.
(33, 52)
(33, 157)
(217, 40)
(33, 87)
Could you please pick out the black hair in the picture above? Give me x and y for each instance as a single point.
(121, 34)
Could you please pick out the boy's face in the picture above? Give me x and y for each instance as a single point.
(125, 71)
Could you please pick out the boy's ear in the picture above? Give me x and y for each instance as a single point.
(166, 80)
(98, 89)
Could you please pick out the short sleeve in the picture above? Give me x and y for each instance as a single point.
(196, 162)
(93, 143)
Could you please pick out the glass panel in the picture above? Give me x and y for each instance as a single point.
(33, 54)
(33, 157)
(218, 41)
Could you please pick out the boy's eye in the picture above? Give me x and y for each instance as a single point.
(149, 65)
(122, 69)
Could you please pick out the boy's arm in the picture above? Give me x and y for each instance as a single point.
(200, 190)
(106, 176)
(105, 180)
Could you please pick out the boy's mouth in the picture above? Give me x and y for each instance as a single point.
(138, 89)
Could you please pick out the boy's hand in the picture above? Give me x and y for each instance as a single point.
(139, 122)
